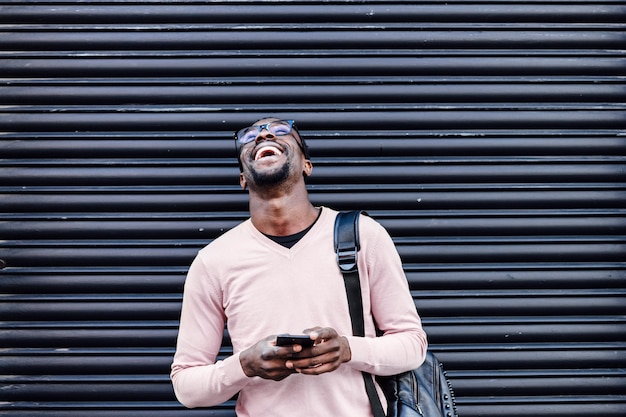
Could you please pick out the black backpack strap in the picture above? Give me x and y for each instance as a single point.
(347, 247)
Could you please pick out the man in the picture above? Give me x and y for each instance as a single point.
(277, 273)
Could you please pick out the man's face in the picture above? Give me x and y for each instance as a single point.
(271, 159)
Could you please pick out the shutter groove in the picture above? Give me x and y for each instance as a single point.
(487, 137)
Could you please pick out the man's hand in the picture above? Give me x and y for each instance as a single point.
(268, 361)
(328, 353)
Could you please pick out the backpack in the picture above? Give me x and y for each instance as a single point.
(423, 392)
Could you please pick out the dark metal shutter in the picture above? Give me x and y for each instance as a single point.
(488, 137)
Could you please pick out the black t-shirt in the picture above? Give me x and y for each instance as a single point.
(289, 241)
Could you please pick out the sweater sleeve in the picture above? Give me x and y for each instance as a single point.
(198, 380)
(403, 343)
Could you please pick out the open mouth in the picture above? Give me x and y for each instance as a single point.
(267, 151)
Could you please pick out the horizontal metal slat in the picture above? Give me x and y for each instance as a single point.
(129, 200)
(539, 385)
(218, 144)
(115, 363)
(546, 91)
(531, 303)
(126, 229)
(529, 276)
(480, 362)
(330, 66)
(108, 280)
(469, 171)
(484, 359)
(403, 118)
(604, 11)
(427, 199)
(154, 254)
(200, 199)
(329, 37)
(113, 255)
(552, 407)
(89, 390)
(144, 391)
(112, 409)
(538, 251)
(421, 277)
(88, 308)
(87, 337)
(362, 172)
(561, 223)
(571, 332)
(129, 175)
(467, 143)
(518, 223)
(550, 331)
(467, 303)
(538, 356)
(548, 407)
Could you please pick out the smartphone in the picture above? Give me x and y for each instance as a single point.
(303, 340)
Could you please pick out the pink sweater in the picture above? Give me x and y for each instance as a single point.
(262, 289)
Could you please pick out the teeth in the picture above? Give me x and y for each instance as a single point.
(268, 150)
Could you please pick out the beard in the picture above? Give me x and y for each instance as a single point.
(271, 178)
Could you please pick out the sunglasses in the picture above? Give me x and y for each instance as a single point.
(275, 127)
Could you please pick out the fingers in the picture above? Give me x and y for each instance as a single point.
(282, 352)
(321, 334)
(266, 360)
(316, 365)
(328, 353)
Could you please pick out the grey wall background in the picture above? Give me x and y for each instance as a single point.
(488, 137)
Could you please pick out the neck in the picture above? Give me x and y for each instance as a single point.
(282, 215)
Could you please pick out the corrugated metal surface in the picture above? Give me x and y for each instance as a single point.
(488, 137)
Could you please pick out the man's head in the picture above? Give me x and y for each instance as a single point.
(275, 126)
(268, 150)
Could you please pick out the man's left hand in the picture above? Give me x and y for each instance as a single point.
(327, 354)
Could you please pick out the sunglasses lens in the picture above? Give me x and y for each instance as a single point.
(248, 134)
(279, 128)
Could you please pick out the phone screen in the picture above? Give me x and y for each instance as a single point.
(294, 339)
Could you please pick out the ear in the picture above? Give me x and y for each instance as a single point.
(308, 168)
(242, 182)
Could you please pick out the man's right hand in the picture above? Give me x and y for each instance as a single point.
(266, 360)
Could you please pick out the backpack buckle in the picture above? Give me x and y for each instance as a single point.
(347, 259)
